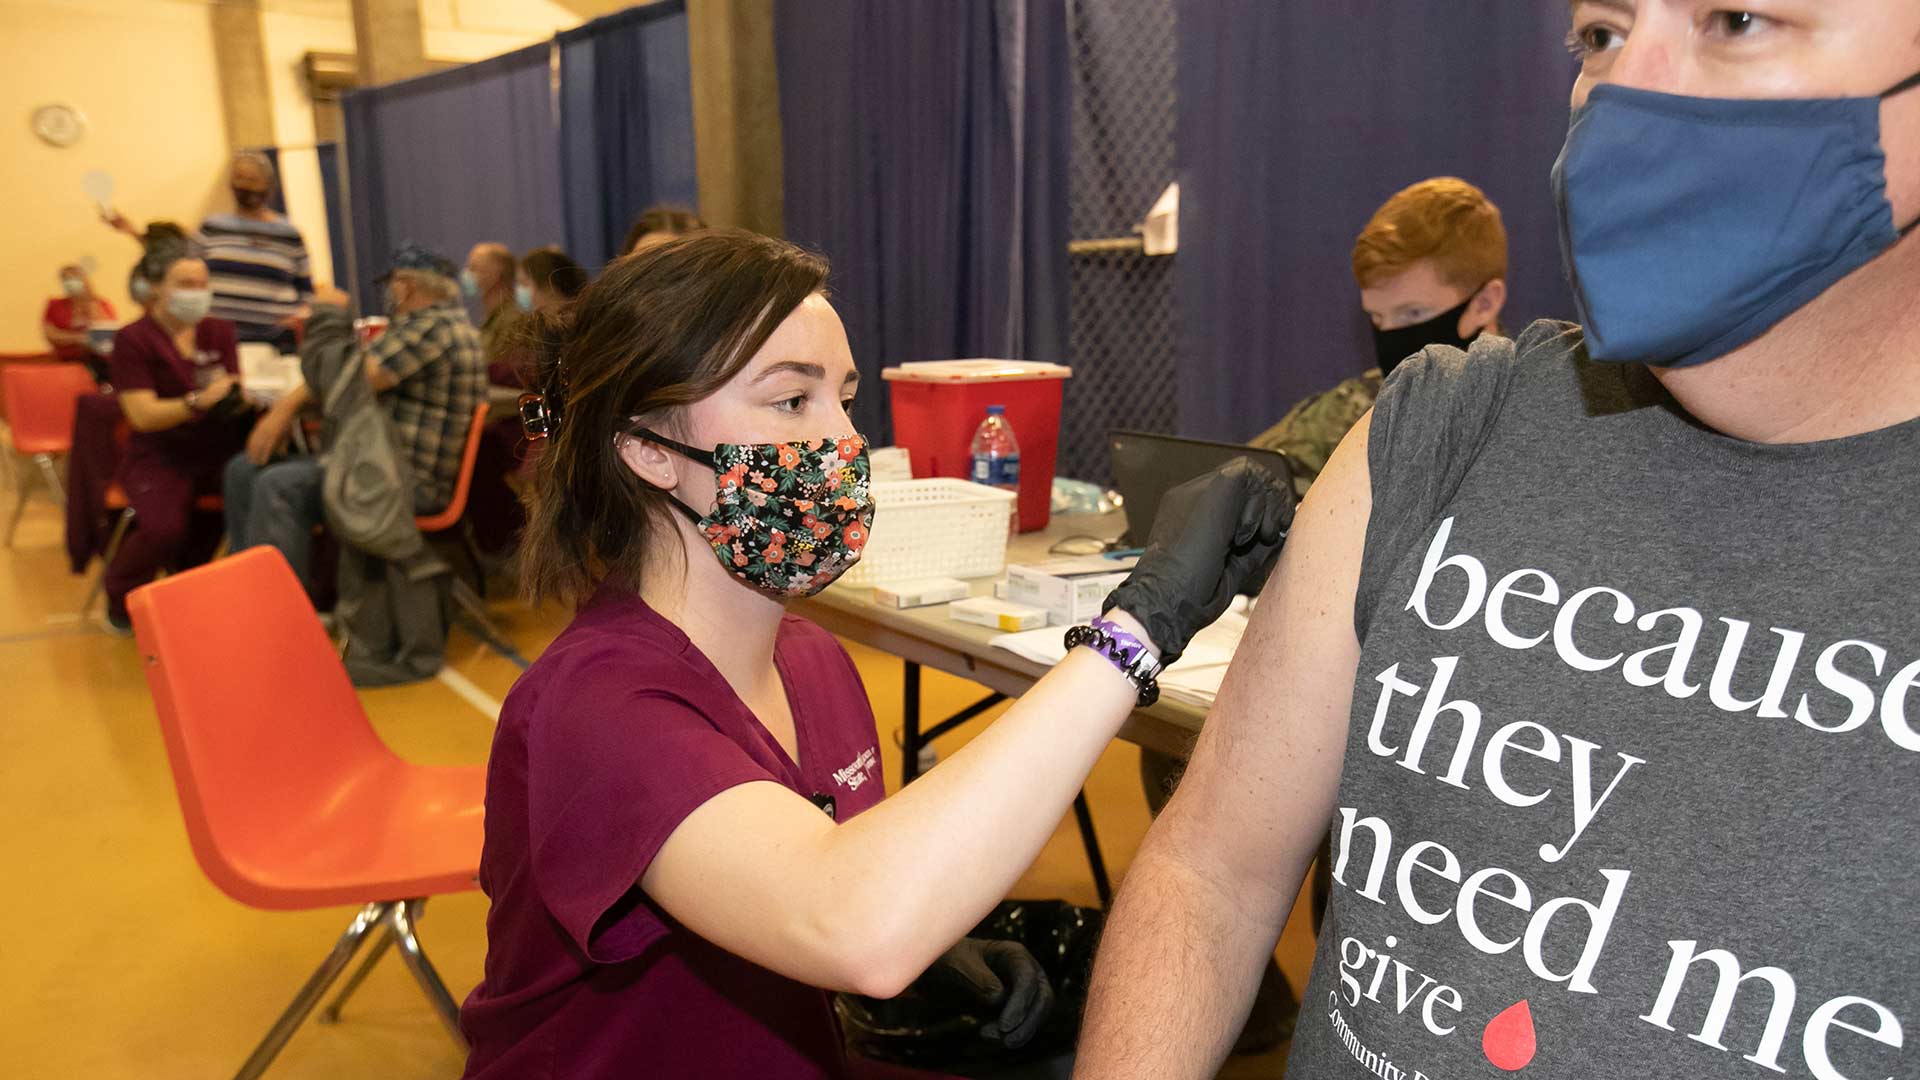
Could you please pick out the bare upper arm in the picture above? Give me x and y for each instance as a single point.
(1260, 789)
(739, 871)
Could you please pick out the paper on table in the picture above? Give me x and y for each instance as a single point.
(1194, 680)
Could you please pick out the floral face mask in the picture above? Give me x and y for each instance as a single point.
(790, 517)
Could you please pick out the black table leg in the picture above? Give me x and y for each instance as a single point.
(912, 739)
(1084, 815)
(910, 725)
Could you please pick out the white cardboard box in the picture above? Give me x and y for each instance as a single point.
(921, 593)
(999, 614)
(1070, 591)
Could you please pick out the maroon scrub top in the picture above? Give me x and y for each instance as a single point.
(144, 358)
(618, 732)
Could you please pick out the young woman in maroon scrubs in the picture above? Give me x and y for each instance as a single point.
(170, 369)
(669, 898)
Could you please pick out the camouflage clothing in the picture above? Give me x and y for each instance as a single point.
(497, 330)
(1310, 430)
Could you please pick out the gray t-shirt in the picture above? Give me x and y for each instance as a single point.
(1631, 785)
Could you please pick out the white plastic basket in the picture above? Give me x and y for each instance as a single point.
(934, 528)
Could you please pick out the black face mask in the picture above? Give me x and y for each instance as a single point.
(1393, 346)
(248, 199)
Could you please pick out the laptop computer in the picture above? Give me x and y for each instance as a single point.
(1146, 467)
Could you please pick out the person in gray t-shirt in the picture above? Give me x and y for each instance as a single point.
(1595, 653)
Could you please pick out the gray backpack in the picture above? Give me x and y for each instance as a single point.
(366, 484)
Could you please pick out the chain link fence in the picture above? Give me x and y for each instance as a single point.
(1122, 324)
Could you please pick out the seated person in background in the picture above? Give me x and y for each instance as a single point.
(261, 280)
(548, 276)
(659, 224)
(69, 315)
(488, 278)
(1432, 267)
(175, 370)
(426, 367)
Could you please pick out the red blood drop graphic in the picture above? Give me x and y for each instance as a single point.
(1508, 1041)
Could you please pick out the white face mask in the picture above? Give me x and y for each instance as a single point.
(190, 305)
(73, 286)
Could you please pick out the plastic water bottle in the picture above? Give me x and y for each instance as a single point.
(996, 458)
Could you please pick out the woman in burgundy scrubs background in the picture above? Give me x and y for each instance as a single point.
(173, 371)
(669, 898)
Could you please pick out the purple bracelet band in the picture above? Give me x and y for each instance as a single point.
(1128, 654)
(1132, 649)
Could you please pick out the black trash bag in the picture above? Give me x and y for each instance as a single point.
(920, 1029)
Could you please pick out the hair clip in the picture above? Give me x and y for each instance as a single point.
(536, 419)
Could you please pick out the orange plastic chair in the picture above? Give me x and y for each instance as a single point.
(456, 508)
(470, 599)
(20, 358)
(291, 799)
(40, 406)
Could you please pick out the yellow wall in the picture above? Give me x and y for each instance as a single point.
(143, 73)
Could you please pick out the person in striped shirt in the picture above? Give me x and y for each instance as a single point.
(257, 259)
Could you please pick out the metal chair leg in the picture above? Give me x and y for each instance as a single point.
(370, 918)
(401, 919)
(482, 626)
(52, 477)
(331, 1014)
(106, 559)
(471, 546)
(19, 508)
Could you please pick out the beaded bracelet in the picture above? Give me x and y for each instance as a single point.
(1123, 651)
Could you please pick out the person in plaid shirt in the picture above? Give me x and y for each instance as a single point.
(427, 367)
(430, 369)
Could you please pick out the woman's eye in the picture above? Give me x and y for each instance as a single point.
(793, 404)
(847, 404)
(1585, 41)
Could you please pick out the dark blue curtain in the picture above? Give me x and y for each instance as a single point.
(1296, 121)
(626, 124)
(332, 195)
(925, 154)
(451, 159)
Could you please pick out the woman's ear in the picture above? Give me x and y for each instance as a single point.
(650, 462)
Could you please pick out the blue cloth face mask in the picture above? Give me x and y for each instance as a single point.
(523, 296)
(469, 283)
(1690, 226)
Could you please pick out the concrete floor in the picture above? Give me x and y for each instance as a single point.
(121, 960)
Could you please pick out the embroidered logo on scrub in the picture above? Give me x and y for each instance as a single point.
(858, 771)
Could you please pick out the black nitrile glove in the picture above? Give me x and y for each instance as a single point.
(983, 974)
(230, 408)
(1214, 537)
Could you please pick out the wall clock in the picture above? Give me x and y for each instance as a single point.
(59, 125)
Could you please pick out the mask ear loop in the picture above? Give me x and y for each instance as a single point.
(1902, 86)
(703, 457)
